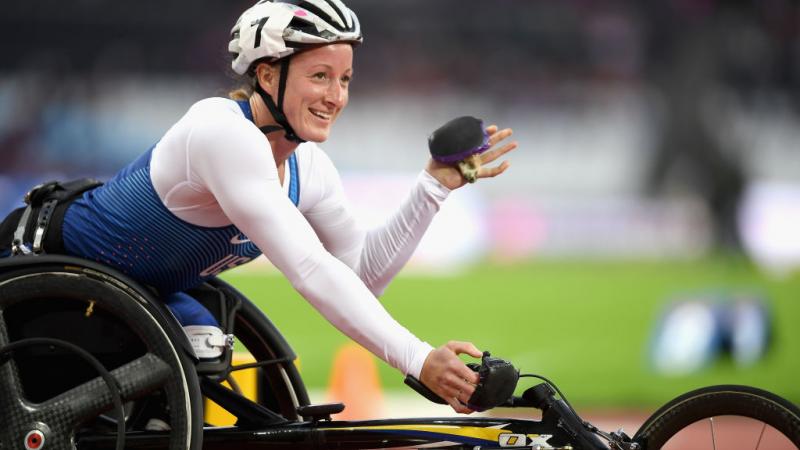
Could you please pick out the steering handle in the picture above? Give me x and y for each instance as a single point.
(497, 381)
(423, 390)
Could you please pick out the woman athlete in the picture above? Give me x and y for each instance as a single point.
(234, 178)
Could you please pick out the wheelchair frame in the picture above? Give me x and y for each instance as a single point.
(283, 417)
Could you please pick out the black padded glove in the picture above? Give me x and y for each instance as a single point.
(458, 143)
(498, 379)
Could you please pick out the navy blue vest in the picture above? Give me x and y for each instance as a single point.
(125, 224)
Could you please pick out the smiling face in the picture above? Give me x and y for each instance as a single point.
(316, 89)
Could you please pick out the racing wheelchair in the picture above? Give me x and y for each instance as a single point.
(88, 357)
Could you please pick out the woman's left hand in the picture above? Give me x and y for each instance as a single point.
(450, 176)
(448, 377)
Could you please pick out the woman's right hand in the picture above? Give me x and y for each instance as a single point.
(447, 376)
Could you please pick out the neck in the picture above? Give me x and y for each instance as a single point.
(281, 147)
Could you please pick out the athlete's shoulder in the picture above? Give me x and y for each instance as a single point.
(217, 106)
(221, 117)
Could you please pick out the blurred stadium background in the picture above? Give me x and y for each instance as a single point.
(659, 161)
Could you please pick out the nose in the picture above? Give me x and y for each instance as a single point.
(336, 94)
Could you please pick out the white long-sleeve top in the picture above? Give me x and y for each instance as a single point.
(215, 168)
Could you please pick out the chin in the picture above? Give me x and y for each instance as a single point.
(315, 135)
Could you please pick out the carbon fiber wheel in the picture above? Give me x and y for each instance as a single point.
(723, 418)
(51, 400)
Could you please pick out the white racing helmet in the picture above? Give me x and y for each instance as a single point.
(274, 29)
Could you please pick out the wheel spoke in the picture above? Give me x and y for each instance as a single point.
(761, 435)
(10, 386)
(137, 378)
(713, 436)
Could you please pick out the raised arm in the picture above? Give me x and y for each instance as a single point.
(376, 255)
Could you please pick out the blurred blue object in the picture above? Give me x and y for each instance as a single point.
(749, 331)
(686, 338)
(693, 332)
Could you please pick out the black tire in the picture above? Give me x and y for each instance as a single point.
(739, 405)
(281, 387)
(48, 301)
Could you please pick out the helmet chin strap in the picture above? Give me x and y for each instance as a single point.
(277, 110)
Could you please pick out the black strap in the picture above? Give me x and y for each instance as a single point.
(42, 220)
(53, 239)
(57, 190)
(277, 110)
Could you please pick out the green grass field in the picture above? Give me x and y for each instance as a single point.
(584, 325)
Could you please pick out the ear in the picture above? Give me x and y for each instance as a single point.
(267, 74)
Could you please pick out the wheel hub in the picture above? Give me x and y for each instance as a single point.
(36, 437)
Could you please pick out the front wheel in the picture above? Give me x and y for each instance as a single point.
(723, 417)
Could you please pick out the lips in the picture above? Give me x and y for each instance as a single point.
(321, 114)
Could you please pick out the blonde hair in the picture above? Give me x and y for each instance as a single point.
(241, 93)
(248, 80)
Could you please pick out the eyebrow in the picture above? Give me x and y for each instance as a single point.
(328, 66)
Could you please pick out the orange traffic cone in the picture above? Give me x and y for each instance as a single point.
(354, 382)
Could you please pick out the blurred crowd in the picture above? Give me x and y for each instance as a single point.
(493, 47)
(70, 74)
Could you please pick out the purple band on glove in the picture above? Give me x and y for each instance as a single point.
(456, 157)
